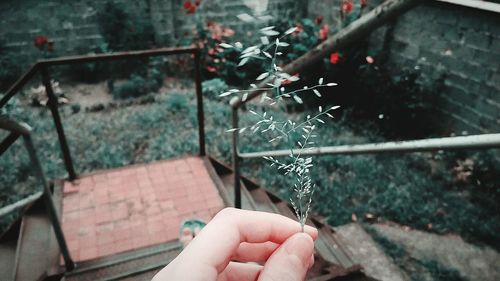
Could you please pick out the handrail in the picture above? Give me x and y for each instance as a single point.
(434, 144)
(43, 67)
(21, 129)
(345, 37)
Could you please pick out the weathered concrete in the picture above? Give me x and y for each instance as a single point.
(366, 252)
(472, 262)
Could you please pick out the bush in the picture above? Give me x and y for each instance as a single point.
(123, 31)
(138, 85)
(177, 102)
(10, 67)
(213, 88)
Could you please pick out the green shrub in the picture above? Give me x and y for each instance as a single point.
(213, 88)
(10, 67)
(123, 31)
(177, 102)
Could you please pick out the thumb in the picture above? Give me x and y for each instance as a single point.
(291, 260)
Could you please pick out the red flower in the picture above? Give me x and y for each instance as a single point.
(211, 51)
(191, 10)
(323, 32)
(318, 20)
(197, 2)
(334, 58)
(364, 3)
(347, 6)
(40, 41)
(187, 5)
(211, 69)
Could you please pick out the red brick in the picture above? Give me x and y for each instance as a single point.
(88, 253)
(105, 238)
(106, 250)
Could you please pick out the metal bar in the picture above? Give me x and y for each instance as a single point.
(481, 5)
(199, 104)
(352, 33)
(7, 142)
(21, 203)
(18, 84)
(236, 162)
(53, 104)
(463, 142)
(117, 56)
(49, 204)
(13, 126)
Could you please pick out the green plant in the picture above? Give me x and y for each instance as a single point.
(213, 87)
(122, 30)
(139, 85)
(10, 67)
(176, 102)
(273, 84)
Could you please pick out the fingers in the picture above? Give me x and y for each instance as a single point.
(217, 242)
(290, 261)
(240, 272)
(254, 252)
(210, 252)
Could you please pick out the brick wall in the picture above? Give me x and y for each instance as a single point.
(461, 43)
(72, 25)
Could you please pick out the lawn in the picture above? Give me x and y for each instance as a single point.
(417, 190)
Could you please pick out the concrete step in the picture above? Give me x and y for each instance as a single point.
(139, 264)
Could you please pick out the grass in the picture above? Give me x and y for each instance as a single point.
(401, 188)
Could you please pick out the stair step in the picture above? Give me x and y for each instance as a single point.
(31, 261)
(247, 201)
(132, 265)
(262, 201)
(8, 244)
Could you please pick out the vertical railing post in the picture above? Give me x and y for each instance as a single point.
(49, 204)
(53, 104)
(236, 161)
(199, 102)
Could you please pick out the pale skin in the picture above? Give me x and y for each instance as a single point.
(245, 245)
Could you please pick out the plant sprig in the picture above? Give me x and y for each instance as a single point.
(298, 166)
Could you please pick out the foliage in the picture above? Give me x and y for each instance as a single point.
(10, 68)
(177, 102)
(124, 31)
(273, 82)
(139, 85)
(213, 87)
(90, 72)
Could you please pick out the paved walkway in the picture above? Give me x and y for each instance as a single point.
(136, 206)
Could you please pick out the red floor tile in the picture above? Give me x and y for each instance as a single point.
(137, 206)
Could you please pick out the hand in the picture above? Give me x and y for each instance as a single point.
(234, 237)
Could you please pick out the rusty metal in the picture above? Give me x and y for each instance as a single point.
(117, 56)
(199, 103)
(53, 106)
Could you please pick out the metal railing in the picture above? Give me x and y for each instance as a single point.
(43, 66)
(17, 130)
(484, 141)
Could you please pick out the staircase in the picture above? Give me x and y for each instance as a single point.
(29, 250)
(332, 261)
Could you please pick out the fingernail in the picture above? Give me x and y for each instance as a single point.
(311, 230)
(300, 245)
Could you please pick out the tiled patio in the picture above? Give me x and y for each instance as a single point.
(135, 206)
